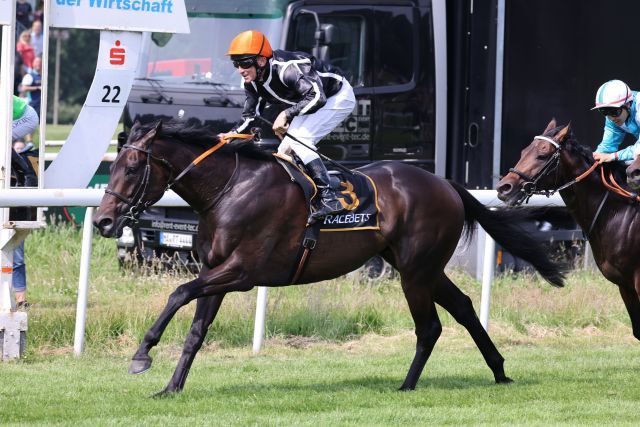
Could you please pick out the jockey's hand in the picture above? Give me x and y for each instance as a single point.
(223, 135)
(280, 125)
(604, 157)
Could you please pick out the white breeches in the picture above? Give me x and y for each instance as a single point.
(311, 128)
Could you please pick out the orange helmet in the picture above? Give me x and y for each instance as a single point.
(250, 43)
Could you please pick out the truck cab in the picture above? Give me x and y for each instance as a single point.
(385, 49)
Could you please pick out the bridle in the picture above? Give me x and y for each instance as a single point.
(530, 186)
(136, 203)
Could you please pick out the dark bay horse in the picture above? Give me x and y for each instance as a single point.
(252, 219)
(612, 224)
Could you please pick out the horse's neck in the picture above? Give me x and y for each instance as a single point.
(204, 182)
(583, 200)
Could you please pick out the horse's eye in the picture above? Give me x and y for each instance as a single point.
(543, 156)
(131, 170)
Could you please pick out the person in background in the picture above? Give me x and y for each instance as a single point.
(25, 121)
(31, 84)
(18, 73)
(38, 14)
(23, 13)
(25, 49)
(19, 274)
(36, 38)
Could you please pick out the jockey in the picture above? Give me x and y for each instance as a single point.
(318, 98)
(619, 105)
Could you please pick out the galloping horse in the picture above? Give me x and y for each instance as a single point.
(553, 161)
(252, 220)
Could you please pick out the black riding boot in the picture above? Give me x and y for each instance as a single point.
(329, 204)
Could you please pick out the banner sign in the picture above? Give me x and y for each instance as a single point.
(6, 10)
(167, 16)
(82, 153)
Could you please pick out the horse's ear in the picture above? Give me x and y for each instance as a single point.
(564, 132)
(552, 125)
(146, 140)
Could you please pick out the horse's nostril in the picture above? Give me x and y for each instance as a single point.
(505, 188)
(104, 224)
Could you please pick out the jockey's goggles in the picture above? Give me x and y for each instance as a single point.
(611, 111)
(244, 63)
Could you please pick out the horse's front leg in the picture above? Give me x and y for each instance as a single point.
(227, 277)
(206, 310)
(184, 293)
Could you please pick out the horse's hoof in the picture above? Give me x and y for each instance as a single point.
(165, 394)
(504, 380)
(139, 366)
(406, 388)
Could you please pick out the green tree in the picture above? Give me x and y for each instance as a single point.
(78, 57)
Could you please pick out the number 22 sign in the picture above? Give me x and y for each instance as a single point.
(109, 89)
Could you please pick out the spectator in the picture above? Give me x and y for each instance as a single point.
(25, 121)
(36, 38)
(25, 49)
(38, 14)
(23, 13)
(18, 73)
(32, 84)
(19, 275)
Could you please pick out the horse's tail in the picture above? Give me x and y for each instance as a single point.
(505, 226)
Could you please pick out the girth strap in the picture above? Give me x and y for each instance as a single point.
(309, 242)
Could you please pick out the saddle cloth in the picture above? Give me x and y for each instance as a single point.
(356, 192)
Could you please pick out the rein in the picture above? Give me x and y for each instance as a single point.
(529, 188)
(614, 187)
(207, 153)
(136, 203)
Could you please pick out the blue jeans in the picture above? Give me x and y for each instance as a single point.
(19, 269)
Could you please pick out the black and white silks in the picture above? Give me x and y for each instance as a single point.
(290, 78)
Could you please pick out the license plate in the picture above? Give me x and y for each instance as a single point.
(176, 240)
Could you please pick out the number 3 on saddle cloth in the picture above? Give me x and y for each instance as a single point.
(356, 192)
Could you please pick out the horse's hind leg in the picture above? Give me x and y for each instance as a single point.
(206, 310)
(632, 303)
(428, 326)
(449, 297)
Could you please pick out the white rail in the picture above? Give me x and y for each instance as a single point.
(19, 197)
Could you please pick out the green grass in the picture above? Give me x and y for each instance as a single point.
(61, 132)
(334, 355)
(577, 382)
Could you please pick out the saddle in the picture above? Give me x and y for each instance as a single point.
(358, 196)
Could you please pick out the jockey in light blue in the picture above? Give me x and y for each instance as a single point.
(619, 105)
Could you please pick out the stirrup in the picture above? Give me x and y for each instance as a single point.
(324, 211)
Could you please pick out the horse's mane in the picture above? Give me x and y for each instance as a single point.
(576, 148)
(195, 133)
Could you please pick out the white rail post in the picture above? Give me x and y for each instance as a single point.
(488, 267)
(261, 313)
(83, 282)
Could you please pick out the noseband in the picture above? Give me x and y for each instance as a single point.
(136, 203)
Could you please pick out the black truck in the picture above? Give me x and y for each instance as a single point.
(457, 88)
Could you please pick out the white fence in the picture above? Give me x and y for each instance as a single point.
(91, 197)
